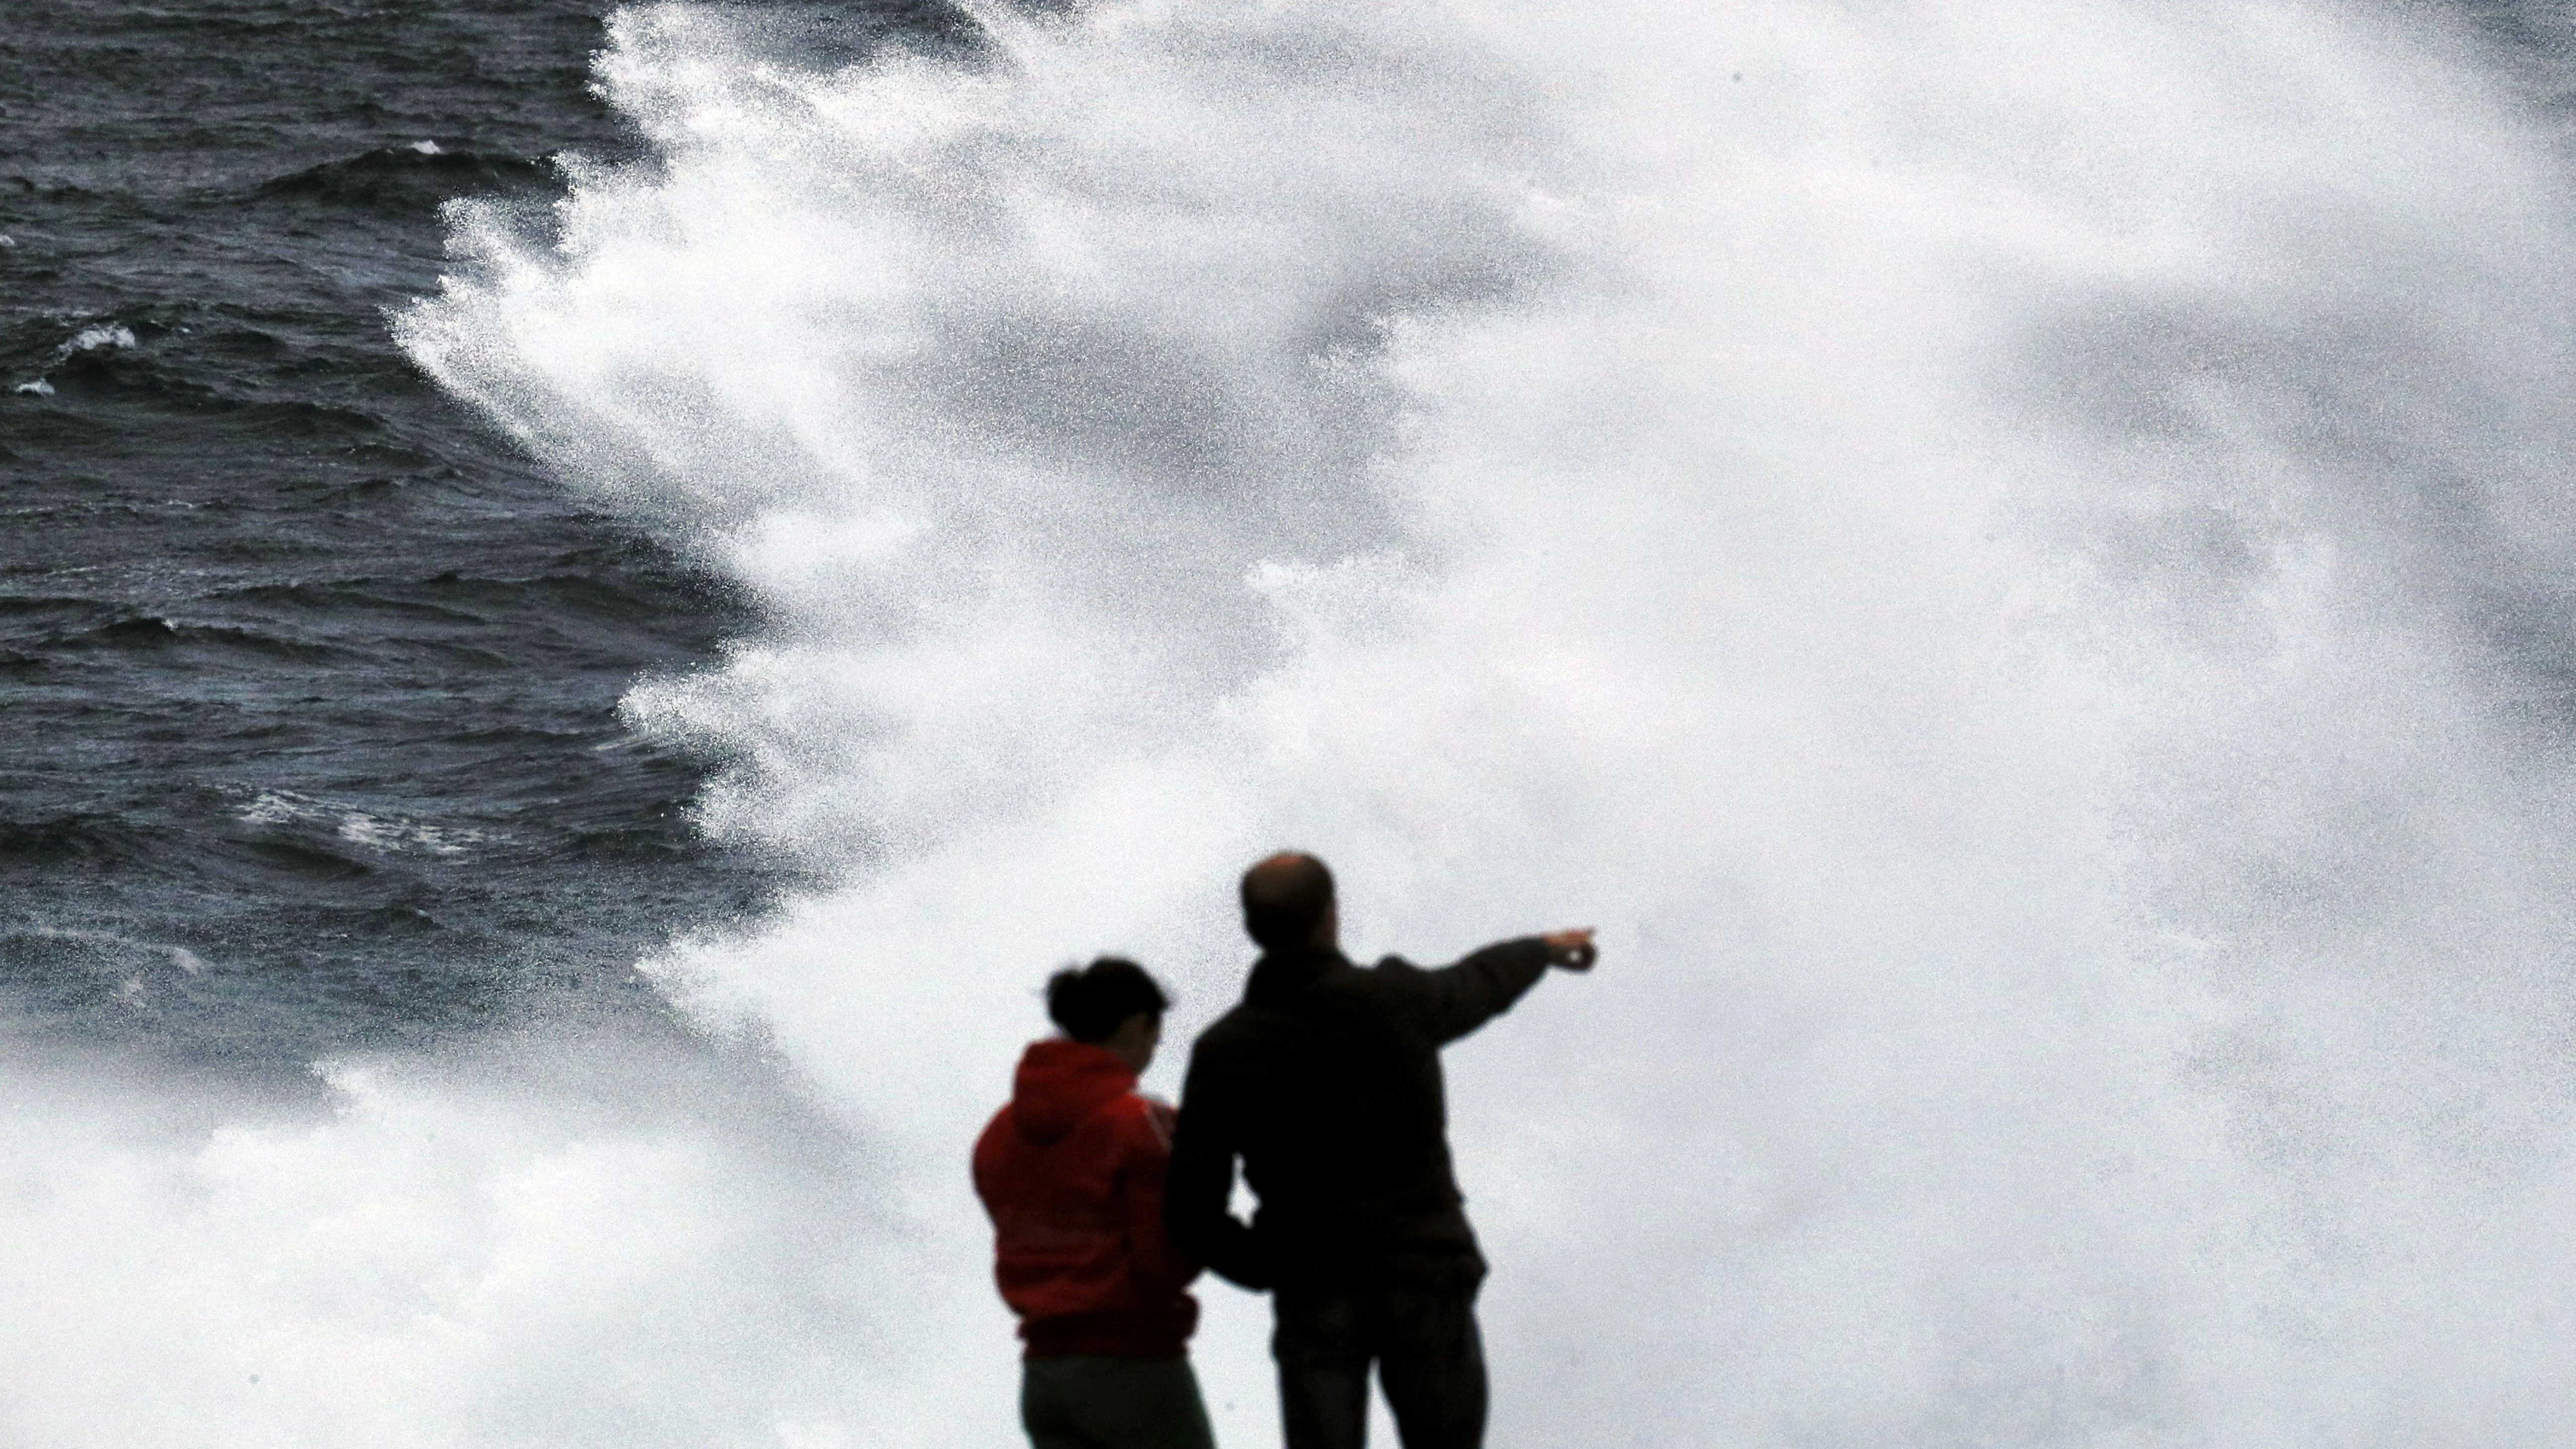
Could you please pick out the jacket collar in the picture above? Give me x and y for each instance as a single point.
(1281, 974)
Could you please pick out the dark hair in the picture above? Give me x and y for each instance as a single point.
(1285, 898)
(1090, 1001)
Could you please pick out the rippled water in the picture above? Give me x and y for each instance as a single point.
(311, 680)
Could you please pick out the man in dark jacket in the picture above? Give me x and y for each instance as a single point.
(1326, 1082)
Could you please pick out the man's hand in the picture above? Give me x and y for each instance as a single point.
(1571, 950)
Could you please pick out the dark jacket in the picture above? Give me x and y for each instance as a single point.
(1072, 1174)
(1326, 1082)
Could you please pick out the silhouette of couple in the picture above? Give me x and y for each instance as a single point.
(1325, 1083)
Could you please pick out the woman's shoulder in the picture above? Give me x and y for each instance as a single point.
(1138, 1118)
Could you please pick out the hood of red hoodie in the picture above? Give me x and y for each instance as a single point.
(1060, 1083)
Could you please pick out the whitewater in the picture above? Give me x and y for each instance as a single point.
(2013, 562)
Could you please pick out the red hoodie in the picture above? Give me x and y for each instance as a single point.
(1072, 1174)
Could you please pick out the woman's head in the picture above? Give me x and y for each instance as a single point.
(1110, 1003)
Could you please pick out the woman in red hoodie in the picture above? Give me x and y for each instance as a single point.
(1072, 1173)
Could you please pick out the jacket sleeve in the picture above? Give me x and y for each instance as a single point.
(1454, 1000)
(1142, 1187)
(1201, 1185)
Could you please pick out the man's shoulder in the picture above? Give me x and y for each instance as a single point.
(1384, 970)
(1241, 1020)
(1244, 1038)
(1388, 980)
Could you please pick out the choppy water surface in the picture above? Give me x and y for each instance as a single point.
(311, 681)
(2014, 562)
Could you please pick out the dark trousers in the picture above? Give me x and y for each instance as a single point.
(1429, 1357)
(1113, 1403)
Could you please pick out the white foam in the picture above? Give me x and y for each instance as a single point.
(90, 339)
(388, 834)
(512, 1252)
(116, 951)
(1962, 550)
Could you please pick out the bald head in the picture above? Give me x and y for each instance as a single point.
(1288, 901)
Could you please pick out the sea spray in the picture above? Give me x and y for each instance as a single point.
(550, 1238)
(2008, 561)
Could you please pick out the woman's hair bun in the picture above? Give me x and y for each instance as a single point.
(1090, 1001)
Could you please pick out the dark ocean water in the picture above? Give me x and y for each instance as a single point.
(310, 678)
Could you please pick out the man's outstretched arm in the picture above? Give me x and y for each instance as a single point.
(1456, 1000)
(1200, 1189)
